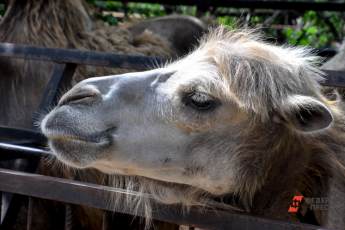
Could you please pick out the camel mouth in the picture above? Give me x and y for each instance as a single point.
(78, 152)
(79, 139)
(78, 149)
(96, 138)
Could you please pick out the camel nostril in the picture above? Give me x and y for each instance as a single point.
(85, 95)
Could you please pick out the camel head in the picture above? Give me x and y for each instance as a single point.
(218, 120)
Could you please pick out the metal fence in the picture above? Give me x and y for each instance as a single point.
(29, 144)
(256, 4)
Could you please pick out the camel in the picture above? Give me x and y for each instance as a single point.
(238, 122)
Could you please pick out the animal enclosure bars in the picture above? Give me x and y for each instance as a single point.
(28, 187)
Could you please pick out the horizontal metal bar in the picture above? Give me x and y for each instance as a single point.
(256, 4)
(97, 196)
(16, 134)
(12, 151)
(334, 78)
(78, 56)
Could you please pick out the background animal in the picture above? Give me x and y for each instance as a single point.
(337, 63)
(238, 120)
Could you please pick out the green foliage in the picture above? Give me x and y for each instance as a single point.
(228, 21)
(146, 9)
(313, 29)
(110, 19)
(186, 10)
(143, 9)
(2, 8)
(310, 29)
(108, 5)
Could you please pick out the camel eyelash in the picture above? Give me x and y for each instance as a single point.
(199, 101)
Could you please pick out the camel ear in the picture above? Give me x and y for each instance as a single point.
(306, 114)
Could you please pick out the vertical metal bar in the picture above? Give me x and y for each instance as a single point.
(68, 217)
(29, 214)
(10, 208)
(0, 208)
(61, 78)
(105, 220)
(125, 7)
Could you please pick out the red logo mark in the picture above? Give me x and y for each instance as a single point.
(296, 204)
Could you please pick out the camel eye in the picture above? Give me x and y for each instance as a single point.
(200, 101)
